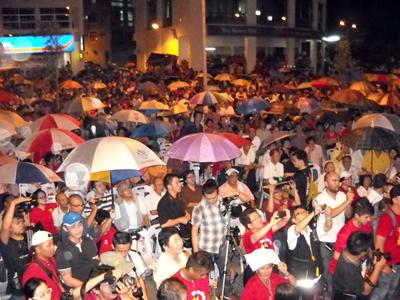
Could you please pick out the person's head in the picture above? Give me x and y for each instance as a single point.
(233, 176)
(332, 182)
(275, 155)
(39, 196)
(199, 265)
(101, 217)
(265, 272)
(198, 117)
(299, 159)
(363, 211)
(98, 187)
(75, 203)
(122, 242)
(298, 213)
(310, 141)
(209, 123)
(393, 153)
(395, 196)
(251, 219)
(170, 241)
(62, 200)
(103, 290)
(329, 167)
(158, 185)
(125, 191)
(72, 225)
(172, 289)
(286, 291)
(360, 243)
(172, 183)
(43, 244)
(210, 191)
(227, 164)
(37, 289)
(286, 144)
(346, 179)
(365, 181)
(189, 177)
(379, 181)
(346, 161)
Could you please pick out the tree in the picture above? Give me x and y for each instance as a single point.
(343, 60)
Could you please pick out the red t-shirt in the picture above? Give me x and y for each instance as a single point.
(257, 290)
(283, 204)
(265, 242)
(196, 290)
(106, 241)
(354, 190)
(342, 238)
(44, 217)
(331, 135)
(35, 271)
(392, 243)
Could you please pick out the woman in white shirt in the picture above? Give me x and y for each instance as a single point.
(365, 188)
(173, 258)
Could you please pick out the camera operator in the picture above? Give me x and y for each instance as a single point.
(387, 240)
(348, 281)
(14, 245)
(209, 227)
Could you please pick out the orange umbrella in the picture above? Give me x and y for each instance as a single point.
(363, 86)
(98, 85)
(375, 97)
(12, 117)
(348, 96)
(391, 100)
(70, 85)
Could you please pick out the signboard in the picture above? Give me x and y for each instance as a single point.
(37, 44)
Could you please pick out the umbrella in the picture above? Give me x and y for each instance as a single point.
(223, 77)
(253, 106)
(363, 86)
(98, 85)
(306, 105)
(332, 81)
(12, 117)
(130, 115)
(7, 97)
(6, 159)
(320, 84)
(327, 116)
(383, 120)
(372, 138)
(203, 147)
(391, 100)
(42, 142)
(348, 97)
(275, 137)
(206, 98)
(280, 108)
(114, 176)
(383, 78)
(112, 153)
(201, 75)
(236, 139)
(224, 97)
(60, 121)
(149, 88)
(23, 172)
(153, 106)
(155, 129)
(7, 129)
(375, 96)
(213, 88)
(70, 85)
(85, 104)
(304, 85)
(177, 109)
(241, 82)
(178, 85)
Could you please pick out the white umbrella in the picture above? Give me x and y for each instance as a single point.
(130, 115)
(112, 153)
(387, 121)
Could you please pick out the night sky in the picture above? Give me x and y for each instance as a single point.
(378, 23)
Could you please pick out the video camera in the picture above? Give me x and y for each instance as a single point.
(130, 282)
(378, 254)
(26, 207)
(234, 204)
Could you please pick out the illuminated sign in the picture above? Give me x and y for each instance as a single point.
(37, 44)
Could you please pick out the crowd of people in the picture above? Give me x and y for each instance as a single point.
(302, 216)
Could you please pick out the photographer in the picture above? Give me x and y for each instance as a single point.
(14, 246)
(42, 212)
(233, 187)
(348, 281)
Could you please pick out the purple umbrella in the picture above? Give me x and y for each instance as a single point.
(203, 147)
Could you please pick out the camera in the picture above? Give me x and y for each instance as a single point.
(130, 282)
(135, 235)
(232, 203)
(25, 207)
(281, 214)
(378, 254)
(231, 200)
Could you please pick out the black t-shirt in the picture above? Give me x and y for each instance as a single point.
(348, 278)
(16, 258)
(81, 260)
(170, 208)
(300, 177)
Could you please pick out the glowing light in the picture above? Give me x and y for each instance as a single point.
(331, 39)
(283, 18)
(270, 18)
(354, 26)
(237, 15)
(258, 12)
(342, 23)
(155, 26)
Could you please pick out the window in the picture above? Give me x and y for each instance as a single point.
(18, 18)
(151, 12)
(226, 11)
(304, 13)
(167, 12)
(271, 12)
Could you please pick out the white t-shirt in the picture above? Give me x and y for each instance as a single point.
(374, 197)
(58, 216)
(246, 159)
(166, 267)
(292, 236)
(273, 170)
(151, 201)
(337, 222)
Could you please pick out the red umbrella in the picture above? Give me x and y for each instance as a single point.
(7, 97)
(320, 83)
(61, 121)
(236, 139)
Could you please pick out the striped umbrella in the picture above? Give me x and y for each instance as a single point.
(17, 172)
(83, 104)
(44, 141)
(206, 98)
(13, 118)
(60, 121)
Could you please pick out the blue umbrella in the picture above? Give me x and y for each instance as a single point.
(155, 129)
(23, 172)
(253, 106)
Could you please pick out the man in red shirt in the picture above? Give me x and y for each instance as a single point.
(361, 221)
(387, 239)
(43, 265)
(195, 276)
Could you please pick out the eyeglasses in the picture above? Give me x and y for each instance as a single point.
(43, 294)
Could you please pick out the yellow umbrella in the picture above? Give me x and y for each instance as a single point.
(175, 110)
(241, 82)
(85, 104)
(98, 85)
(178, 85)
(391, 100)
(13, 118)
(304, 85)
(153, 105)
(375, 97)
(201, 75)
(363, 86)
(223, 77)
(7, 129)
(70, 84)
(130, 115)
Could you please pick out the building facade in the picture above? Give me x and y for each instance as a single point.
(287, 29)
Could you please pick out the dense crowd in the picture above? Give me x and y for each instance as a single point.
(298, 215)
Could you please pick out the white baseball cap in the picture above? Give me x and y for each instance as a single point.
(261, 257)
(230, 171)
(40, 237)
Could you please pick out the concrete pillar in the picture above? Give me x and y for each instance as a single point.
(313, 55)
(290, 51)
(324, 15)
(315, 14)
(197, 35)
(251, 7)
(291, 13)
(250, 50)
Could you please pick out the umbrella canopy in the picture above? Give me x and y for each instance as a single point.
(383, 78)
(391, 100)
(372, 138)
(149, 88)
(177, 109)
(6, 159)
(60, 121)
(155, 129)
(306, 105)
(12, 117)
(253, 106)
(280, 108)
(70, 85)
(383, 120)
(114, 176)
(241, 82)
(375, 97)
(98, 85)
(332, 81)
(320, 84)
(304, 85)
(206, 98)
(201, 75)
(130, 115)
(348, 97)
(223, 77)
(224, 97)
(203, 147)
(7, 129)
(112, 153)
(275, 137)
(44, 141)
(23, 172)
(7, 97)
(85, 104)
(178, 85)
(363, 86)
(236, 139)
(152, 106)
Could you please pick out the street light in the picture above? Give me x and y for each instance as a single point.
(331, 38)
(354, 26)
(237, 15)
(283, 18)
(342, 23)
(155, 26)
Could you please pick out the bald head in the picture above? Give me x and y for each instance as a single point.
(332, 182)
